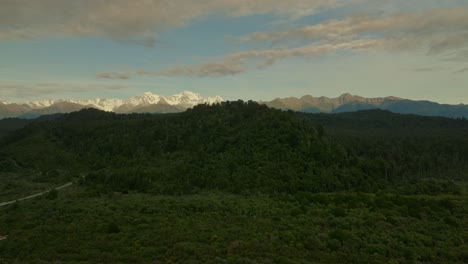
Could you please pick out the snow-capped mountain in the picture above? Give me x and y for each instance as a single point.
(183, 100)
(189, 99)
(148, 102)
(41, 104)
(100, 103)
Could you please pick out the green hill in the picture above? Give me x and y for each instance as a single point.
(243, 147)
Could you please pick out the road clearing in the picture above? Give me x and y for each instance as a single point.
(34, 195)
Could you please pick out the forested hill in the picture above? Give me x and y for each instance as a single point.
(369, 123)
(246, 147)
(8, 125)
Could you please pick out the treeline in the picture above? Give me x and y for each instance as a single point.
(245, 147)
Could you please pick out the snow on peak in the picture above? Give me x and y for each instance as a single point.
(41, 103)
(100, 103)
(214, 100)
(146, 99)
(150, 96)
(191, 95)
(185, 99)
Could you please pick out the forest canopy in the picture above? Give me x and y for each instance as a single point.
(247, 147)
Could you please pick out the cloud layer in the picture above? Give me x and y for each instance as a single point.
(435, 32)
(440, 29)
(15, 90)
(239, 62)
(136, 19)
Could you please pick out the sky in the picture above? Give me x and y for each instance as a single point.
(237, 49)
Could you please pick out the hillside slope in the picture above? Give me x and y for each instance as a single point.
(238, 146)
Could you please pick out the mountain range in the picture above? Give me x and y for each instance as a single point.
(146, 103)
(153, 103)
(351, 103)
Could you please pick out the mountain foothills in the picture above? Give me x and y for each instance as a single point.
(153, 103)
(148, 102)
(237, 182)
(350, 103)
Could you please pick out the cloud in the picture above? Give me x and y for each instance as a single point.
(457, 56)
(210, 69)
(136, 19)
(113, 75)
(27, 90)
(435, 31)
(464, 70)
(429, 69)
(239, 62)
(454, 41)
(440, 30)
(309, 50)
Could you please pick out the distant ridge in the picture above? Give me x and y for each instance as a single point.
(350, 103)
(146, 103)
(153, 103)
